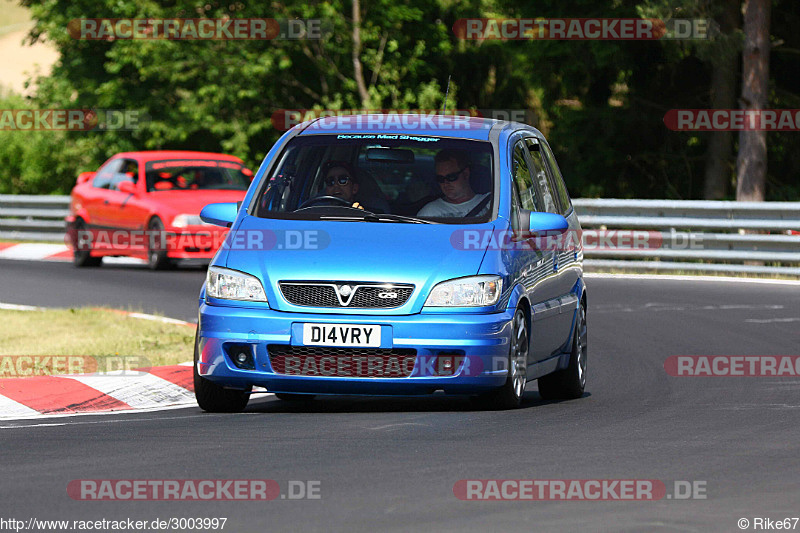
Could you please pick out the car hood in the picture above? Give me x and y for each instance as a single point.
(191, 202)
(300, 250)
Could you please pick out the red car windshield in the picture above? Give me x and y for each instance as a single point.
(196, 174)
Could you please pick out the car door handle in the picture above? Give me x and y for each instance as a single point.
(105, 202)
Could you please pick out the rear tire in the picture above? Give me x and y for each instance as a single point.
(570, 383)
(156, 247)
(215, 399)
(509, 396)
(82, 249)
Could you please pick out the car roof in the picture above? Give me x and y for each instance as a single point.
(150, 155)
(462, 127)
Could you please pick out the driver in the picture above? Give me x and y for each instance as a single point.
(452, 173)
(340, 181)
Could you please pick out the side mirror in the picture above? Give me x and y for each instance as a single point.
(83, 177)
(222, 214)
(546, 223)
(128, 187)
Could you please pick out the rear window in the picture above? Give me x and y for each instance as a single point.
(195, 174)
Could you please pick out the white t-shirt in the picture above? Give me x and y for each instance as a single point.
(443, 208)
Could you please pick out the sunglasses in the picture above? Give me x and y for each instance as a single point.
(341, 180)
(453, 176)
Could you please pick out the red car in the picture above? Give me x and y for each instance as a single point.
(147, 205)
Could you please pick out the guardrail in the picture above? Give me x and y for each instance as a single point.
(686, 235)
(690, 235)
(32, 217)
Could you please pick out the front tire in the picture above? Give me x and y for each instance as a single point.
(215, 399)
(509, 396)
(156, 247)
(570, 383)
(82, 248)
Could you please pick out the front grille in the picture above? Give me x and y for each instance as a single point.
(342, 362)
(368, 297)
(310, 294)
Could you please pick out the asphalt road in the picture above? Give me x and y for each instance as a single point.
(390, 464)
(172, 293)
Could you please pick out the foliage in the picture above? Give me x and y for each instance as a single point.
(601, 103)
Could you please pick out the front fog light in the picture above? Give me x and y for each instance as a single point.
(242, 356)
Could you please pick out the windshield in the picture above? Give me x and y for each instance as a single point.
(196, 174)
(348, 176)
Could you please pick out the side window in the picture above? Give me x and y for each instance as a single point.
(540, 178)
(523, 180)
(104, 176)
(128, 171)
(515, 207)
(558, 180)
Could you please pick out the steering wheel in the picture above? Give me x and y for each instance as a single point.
(317, 199)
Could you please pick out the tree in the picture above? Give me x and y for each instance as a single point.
(601, 103)
(725, 65)
(221, 95)
(751, 163)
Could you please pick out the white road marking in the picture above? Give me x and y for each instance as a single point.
(87, 422)
(125, 417)
(772, 320)
(143, 316)
(759, 406)
(15, 307)
(40, 416)
(34, 426)
(163, 319)
(399, 425)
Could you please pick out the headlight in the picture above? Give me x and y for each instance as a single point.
(181, 221)
(475, 291)
(232, 285)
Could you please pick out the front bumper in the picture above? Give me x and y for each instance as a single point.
(480, 342)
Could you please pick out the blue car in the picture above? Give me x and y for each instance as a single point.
(396, 255)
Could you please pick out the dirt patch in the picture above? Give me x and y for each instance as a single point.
(21, 61)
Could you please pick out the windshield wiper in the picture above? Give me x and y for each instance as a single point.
(388, 217)
(375, 217)
(369, 216)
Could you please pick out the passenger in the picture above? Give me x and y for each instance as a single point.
(452, 173)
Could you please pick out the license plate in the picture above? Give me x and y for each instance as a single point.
(347, 335)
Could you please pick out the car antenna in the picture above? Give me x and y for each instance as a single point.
(446, 92)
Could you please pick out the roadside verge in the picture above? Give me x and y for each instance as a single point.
(105, 360)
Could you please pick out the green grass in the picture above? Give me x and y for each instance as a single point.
(93, 332)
